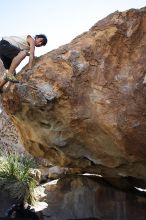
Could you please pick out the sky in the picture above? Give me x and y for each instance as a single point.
(59, 20)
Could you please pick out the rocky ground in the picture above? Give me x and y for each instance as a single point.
(82, 197)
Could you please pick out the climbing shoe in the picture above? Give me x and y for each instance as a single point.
(11, 78)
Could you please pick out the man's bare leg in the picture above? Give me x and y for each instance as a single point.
(15, 62)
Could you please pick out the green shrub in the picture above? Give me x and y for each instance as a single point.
(15, 176)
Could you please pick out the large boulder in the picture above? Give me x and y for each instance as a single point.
(84, 104)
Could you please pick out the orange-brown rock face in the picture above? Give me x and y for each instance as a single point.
(84, 104)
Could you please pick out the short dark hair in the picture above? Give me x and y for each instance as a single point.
(45, 40)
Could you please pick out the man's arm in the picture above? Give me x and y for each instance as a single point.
(31, 42)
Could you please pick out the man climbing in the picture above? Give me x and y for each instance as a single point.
(14, 49)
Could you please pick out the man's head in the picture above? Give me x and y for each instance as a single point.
(40, 40)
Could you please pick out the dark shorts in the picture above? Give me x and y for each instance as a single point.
(7, 53)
